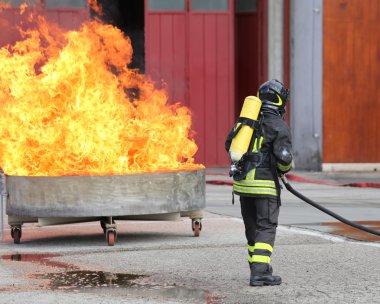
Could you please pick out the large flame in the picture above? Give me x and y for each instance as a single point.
(70, 106)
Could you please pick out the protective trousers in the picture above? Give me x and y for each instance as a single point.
(260, 216)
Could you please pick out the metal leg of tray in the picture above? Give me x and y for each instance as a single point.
(2, 218)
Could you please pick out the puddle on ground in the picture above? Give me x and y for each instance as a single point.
(75, 280)
(84, 281)
(87, 279)
(354, 233)
(43, 259)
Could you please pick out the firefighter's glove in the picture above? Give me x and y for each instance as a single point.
(243, 169)
(235, 168)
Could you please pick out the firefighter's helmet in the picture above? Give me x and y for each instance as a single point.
(273, 95)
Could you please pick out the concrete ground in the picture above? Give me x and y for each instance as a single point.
(162, 262)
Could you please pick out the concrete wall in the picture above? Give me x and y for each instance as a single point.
(276, 39)
(306, 83)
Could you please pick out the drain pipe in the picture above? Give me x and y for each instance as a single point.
(323, 209)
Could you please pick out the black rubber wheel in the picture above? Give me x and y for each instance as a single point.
(111, 236)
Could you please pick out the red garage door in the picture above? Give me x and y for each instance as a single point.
(190, 46)
(68, 14)
(351, 93)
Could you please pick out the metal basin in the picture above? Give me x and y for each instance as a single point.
(111, 195)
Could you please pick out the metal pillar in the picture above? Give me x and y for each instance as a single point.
(306, 83)
(276, 39)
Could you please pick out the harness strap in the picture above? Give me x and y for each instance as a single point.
(256, 136)
(254, 124)
(244, 121)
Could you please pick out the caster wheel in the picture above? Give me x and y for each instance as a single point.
(196, 225)
(103, 224)
(197, 228)
(16, 235)
(111, 236)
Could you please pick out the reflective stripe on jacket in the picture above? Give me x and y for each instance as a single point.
(252, 186)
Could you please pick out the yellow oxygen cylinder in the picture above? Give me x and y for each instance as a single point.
(239, 145)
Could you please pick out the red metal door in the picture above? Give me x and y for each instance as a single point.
(190, 46)
(10, 21)
(68, 14)
(165, 46)
(211, 73)
(250, 48)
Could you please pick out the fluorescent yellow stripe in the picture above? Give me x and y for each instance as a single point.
(251, 248)
(256, 183)
(264, 246)
(253, 190)
(261, 141)
(254, 149)
(255, 146)
(284, 167)
(250, 175)
(279, 103)
(259, 259)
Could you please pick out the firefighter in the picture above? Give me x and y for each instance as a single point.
(258, 186)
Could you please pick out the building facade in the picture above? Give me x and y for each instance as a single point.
(335, 61)
(210, 54)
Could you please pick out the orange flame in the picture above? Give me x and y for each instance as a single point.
(95, 6)
(71, 106)
(4, 5)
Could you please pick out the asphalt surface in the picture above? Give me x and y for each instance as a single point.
(162, 262)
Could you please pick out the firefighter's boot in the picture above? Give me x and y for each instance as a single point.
(262, 278)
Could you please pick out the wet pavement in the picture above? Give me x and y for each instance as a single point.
(351, 232)
(320, 260)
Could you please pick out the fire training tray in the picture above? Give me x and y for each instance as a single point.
(67, 199)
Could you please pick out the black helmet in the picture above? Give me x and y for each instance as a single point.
(273, 95)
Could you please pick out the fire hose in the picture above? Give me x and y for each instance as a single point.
(325, 210)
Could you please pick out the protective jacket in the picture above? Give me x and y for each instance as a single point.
(276, 148)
